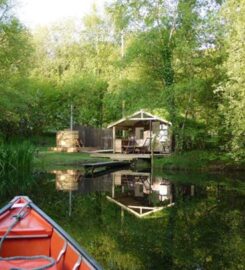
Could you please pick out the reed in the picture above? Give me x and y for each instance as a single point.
(16, 157)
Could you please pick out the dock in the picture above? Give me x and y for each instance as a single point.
(104, 166)
(126, 157)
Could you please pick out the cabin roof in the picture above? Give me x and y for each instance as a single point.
(138, 116)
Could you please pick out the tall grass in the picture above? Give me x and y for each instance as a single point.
(17, 157)
(16, 166)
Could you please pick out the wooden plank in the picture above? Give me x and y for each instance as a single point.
(122, 156)
(156, 209)
(143, 207)
(123, 206)
(114, 138)
(131, 173)
(143, 119)
(107, 164)
(90, 167)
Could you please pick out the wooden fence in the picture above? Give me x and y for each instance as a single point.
(95, 137)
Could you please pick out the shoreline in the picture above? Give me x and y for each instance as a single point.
(199, 161)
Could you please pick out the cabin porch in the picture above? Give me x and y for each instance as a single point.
(125, 156)
(140, 135)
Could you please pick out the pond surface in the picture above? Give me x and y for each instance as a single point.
(136, 220)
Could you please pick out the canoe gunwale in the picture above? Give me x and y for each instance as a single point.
(9, 205)
(57, 227)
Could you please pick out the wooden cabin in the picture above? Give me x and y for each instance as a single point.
(141, 133)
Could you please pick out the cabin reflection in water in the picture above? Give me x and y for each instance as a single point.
(137, 192)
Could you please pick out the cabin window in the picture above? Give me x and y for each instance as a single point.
(163, 127)
(119, 134)
(163, 133)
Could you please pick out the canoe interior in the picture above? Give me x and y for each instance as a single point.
(33, 236)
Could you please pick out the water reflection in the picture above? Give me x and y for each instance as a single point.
(208, 216)
(139, 193)
(75, 181)
(67, 180)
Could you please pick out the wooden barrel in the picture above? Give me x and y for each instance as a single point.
(67, 141)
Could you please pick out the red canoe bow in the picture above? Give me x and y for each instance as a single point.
(30, 240)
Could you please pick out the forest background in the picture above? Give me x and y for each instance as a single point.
(180, 59)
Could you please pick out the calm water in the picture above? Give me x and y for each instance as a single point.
(135, 220)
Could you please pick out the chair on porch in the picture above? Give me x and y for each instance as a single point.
(130, 147)
(144, 148)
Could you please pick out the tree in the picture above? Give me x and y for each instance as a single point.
(15, 53)
(176, 46)
(232, 90)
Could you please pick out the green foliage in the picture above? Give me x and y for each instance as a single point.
(14, 63)
(178, 59)
(136, 95)
(170, 58)
(16, 159)
(86, 94)
(209, 225)
(188, 161)
(49, 160)
(232, 90)
(169, 49)
(199, 161)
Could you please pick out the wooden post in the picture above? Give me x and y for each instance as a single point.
(192, 190)
(150, 135)
(113, 186)
(151, 148)
(169, 139)
(71, 118)
(123, 108)
(122, 44)
(123, 115)
(70, 202)
(114, 139)
(122, 217)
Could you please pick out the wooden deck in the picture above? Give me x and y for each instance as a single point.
(126, 156)
(91, 167)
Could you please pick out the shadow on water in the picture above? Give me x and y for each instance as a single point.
(136, 220)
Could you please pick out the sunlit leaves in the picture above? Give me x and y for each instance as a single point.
(232, 91)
